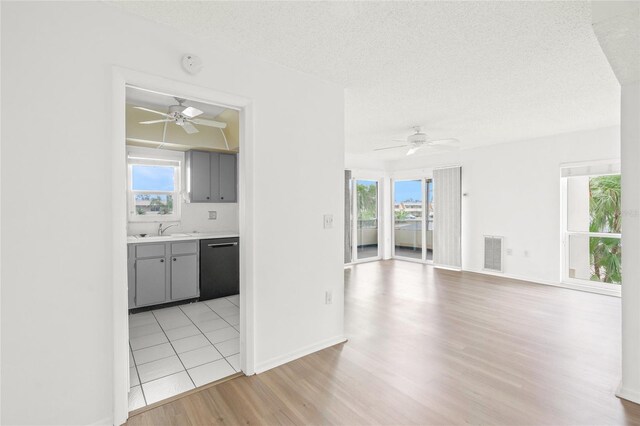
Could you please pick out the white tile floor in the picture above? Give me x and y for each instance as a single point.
(173, 350)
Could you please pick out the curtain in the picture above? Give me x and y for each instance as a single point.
(447, 217)
(348, 209)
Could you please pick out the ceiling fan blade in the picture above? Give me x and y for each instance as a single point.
(444, 147)
(210, 123)
(443, 141)
(191, 112)
(153, 111)
(154, 121)
(413, 150)
(391, 147)
(189, 128)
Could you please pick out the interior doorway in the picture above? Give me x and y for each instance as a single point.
(167, 202)
(182, 243)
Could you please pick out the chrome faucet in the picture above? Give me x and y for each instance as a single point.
(161, 229)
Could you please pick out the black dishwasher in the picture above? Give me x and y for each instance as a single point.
(219, 268)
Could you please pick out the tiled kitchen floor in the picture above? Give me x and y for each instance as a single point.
(173, 350)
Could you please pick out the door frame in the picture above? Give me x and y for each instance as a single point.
(354, 219)
(121, 78)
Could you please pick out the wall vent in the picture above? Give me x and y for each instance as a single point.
(493, 253)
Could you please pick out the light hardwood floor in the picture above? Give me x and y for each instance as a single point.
(438, 347)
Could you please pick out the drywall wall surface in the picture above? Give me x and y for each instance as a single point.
(513, 190)
(57, 291)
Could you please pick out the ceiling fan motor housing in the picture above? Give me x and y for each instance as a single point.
(417, 139)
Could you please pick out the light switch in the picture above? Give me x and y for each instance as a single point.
(328, 221)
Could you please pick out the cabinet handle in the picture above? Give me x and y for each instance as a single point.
(222, 245)
(161, 260)
(174, 259)
(207, 198)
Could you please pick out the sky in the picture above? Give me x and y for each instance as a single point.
(405, 190)
(150, 178)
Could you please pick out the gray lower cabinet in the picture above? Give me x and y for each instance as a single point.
(151, 277)
(184, 276)
(163, 272)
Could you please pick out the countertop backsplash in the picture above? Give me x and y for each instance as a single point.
(195, 218)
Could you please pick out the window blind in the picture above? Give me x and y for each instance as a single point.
(447, 217)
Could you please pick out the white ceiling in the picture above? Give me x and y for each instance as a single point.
(483, 72)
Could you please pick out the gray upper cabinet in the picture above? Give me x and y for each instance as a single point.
(200, 174)
(184, 277)
(213, 177)
(150, 281)
(228, 180)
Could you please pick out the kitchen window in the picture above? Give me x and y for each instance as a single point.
(154, 186)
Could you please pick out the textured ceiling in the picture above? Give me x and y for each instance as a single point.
(483, 72)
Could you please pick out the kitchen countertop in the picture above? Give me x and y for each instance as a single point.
(181, 236)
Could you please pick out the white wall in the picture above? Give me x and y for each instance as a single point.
(513, 190)
(56, 324)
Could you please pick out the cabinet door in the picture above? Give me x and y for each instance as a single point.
(150, 281)
(200, 174)
(184, 277)
(228, 178)
(214, 161)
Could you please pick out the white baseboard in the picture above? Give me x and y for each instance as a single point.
(299, 353)
(570, 286)
(103, 422)
(628, 394)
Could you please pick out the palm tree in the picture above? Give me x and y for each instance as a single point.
(605, 216)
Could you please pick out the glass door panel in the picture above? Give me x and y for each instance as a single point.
(408, 215)
(367, 216)
(428, 185)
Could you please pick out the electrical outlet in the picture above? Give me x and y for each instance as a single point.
(213, 215)
(509, 252)
(328, 297)
(328, 221)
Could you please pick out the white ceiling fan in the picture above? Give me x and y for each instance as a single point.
(419, 140)
(183, 116)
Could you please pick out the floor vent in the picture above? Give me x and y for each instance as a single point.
(493, 253)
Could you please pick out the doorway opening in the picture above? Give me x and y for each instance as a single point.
(183, 249)
(413, 219)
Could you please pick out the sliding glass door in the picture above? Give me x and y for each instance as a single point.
(408, 218)
(366, 216)
(413, 219)
(428, 186)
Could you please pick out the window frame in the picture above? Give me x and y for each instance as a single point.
(566, 233)
(155, 157)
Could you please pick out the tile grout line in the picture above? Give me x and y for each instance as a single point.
(205, 336)
(179, 308)
(144, 398)
(174, 350)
